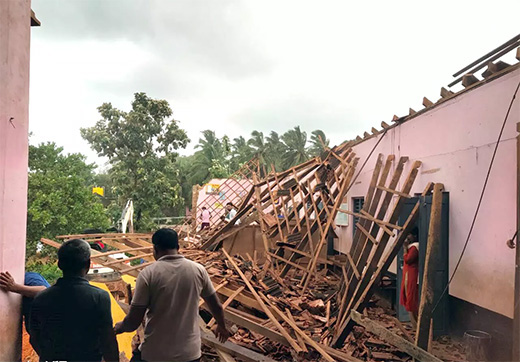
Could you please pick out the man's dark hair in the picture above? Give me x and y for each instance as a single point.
(166, 239)
(230, 203)
(74, 255)
(203, 207)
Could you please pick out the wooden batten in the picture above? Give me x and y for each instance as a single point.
(469, 79)
(366, 134)
(358, 138)
(411, 111)
(374, 131)
(395, 118)
(385, 125)
(518, 54)
(446, 93)
(495, 68)
(426, 102)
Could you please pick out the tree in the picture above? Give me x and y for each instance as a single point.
(211, 159)
(275, 150)
(319, 143)
(141, 148)
(259, 146)
(60, 200)
(295, 140)
(241, 153)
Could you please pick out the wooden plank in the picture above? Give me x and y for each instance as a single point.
(137, 267)
(119, 261)
(321, 260)
(226, 304)
(393, 339)
(366, 233)
(343, 327)
(330, 220)
(107, 235)
(395, 192)
(469, 79)
(426, 102)
(381, 223)
(130, 251)
(296, 329)
(446, 93)
(260, 219)
(233, 349)
(224, 356)
(373, 261)
(287, 261)
(311, 229)
(352, 264)
(359, 240)
(245, 321)
(300, 339)
(431, 261)
(266, 310)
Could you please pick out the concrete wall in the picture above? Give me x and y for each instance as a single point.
(455, 142)
(15, 19)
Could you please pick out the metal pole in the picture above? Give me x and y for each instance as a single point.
(516, 317)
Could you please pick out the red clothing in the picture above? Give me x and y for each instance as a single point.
(409, 285)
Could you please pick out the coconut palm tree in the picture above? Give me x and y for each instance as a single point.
(296, 141)
(259, 146)
(275, 150)
(210, 148)
(241, 152)
(319, 143)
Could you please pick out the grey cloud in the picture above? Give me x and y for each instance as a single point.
(338, 124)
(209, 34)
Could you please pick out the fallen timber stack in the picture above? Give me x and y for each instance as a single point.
(289, 301)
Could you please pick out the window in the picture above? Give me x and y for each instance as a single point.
(357, 205)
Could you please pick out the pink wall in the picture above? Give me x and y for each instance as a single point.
(455, 142)
(15, 20)
(230, 191)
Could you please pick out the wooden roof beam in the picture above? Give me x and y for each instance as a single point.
(469, 79)
(426, 102)
(495, 68)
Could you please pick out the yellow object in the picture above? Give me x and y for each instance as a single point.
(212, 188)
(128, 279)
(99, 191)
(124, 341)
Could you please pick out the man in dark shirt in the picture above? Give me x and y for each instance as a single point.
(72, 321)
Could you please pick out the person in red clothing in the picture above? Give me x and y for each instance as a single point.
(409, 285)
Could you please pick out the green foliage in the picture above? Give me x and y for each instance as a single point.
(319, 143)
(296, 152)
(49, 270)
(141, 147)
(60, 200)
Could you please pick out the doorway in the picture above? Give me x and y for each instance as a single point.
(440, 281)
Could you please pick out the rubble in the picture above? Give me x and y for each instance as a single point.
(285, 298)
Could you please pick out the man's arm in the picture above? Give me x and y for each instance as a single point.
(217, 311)
(132, 321)
(140, 303)
(8, 284)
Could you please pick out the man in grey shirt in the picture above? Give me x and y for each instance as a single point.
(168, 291)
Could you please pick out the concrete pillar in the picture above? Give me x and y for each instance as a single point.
(15, 21)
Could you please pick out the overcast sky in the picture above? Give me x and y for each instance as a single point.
(238, 66)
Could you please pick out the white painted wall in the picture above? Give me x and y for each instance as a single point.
(455, 142)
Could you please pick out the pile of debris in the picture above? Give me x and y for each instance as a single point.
(288, 300)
